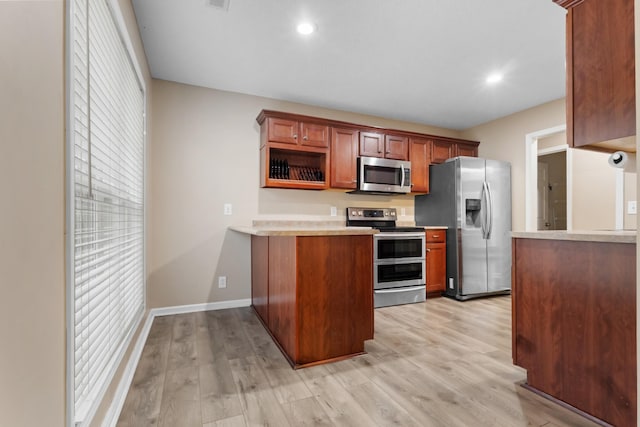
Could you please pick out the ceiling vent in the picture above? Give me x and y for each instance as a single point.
(218, 4)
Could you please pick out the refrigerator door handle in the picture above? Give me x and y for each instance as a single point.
(483, 211)
(489, 211)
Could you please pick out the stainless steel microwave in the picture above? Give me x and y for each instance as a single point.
(383, 176)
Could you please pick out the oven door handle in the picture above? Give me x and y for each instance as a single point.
(392, 235)
(395, 290)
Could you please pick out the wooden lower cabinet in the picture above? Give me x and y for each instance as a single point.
(436, 261)
(574, 323)
(319, 304)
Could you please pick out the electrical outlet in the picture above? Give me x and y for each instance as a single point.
(222, 282)
(334, 211)
(227, 209)
(632, 207)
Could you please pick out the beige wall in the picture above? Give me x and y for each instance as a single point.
(504, 139)
(594, 191)
(32, 358)
(205, 154)
(32, 226)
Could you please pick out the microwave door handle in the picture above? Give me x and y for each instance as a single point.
(402, 179)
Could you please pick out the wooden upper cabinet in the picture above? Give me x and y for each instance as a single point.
(420, 157)
(396, 147)
(297, 132)
(314, 135)
(468, 150)
(371, 144)
(313, 153)
(344, 157)
(282, 130)
(600, 74)
(441, 150)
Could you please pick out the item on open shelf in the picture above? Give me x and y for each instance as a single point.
(280, 169)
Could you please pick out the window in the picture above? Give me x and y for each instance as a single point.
(106, 203)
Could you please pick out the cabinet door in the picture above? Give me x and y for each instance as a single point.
(396, 147)
(420, 157)
(344, 157)
(466, 150)
(371, 144)
(282, 130)
(314, 135)
(441, 151)
(600, 72)
(436, 267)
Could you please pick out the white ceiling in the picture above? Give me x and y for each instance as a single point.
(422, 61)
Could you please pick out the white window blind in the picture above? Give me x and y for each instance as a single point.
(107, 183)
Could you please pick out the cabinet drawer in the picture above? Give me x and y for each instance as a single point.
(436, 236)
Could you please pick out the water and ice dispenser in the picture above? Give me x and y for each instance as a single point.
(472, 213)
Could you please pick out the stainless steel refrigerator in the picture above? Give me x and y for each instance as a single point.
(472, 197)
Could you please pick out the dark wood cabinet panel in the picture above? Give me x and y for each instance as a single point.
(420, 157)
(371, 144)
(441, 151)
(396, 147)
(344, 157)
(335, 317)
(574, 323)
(600, 74)
(436, 261)
(260, 276)
(282, 291)
(319, 297)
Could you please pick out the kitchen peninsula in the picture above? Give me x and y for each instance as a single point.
(574, 319)
(311, 288)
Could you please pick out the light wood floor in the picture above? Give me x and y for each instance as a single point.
(438, 363)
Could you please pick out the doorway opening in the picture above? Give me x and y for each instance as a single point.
(552, 191)
(552, 140)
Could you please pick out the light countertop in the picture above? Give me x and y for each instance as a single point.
(302, 230)
(308, 228)
(606, 236)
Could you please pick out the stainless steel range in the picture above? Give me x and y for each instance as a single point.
(399, 275)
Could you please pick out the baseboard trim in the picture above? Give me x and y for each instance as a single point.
(112, 415)
(193, 308)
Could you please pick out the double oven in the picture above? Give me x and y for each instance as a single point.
(399, 267)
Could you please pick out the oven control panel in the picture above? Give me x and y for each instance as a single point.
(366, 214)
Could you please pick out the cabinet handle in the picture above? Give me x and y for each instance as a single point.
(428, 250)
(295, 136)
(305, 137)
(436, 236)
(355, 180)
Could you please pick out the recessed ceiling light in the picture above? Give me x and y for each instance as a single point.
(306, 28)
(494, 78)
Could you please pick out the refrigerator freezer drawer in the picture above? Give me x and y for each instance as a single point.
(397, 296)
